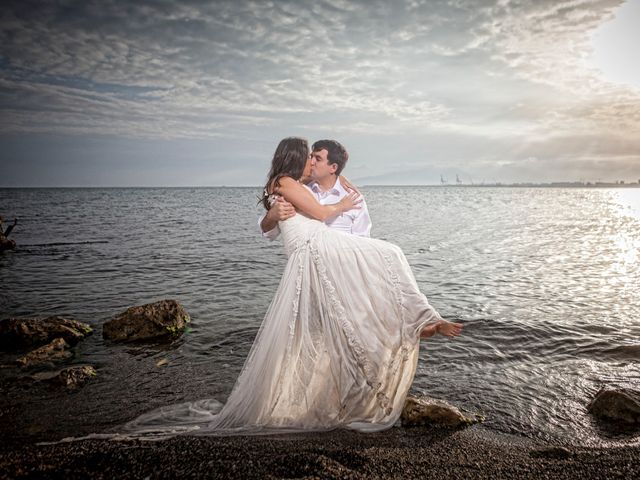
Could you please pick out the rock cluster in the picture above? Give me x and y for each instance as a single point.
(48, 341)
(21, 333)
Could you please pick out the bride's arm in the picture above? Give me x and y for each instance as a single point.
(304, 201)
(348, 185)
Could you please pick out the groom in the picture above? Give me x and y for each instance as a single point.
(328, 159)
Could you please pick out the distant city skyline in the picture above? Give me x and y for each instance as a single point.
(187, 93)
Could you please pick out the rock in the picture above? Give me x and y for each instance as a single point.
(45, 375)
(55, 351)
(74, 377)
(7, 244)
(20, 333)
(71, 377)
(555, 453)
(163, 319)
(430, 411)
(619, 406)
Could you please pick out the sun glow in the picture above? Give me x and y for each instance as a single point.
(626, 241)
(615, 51)
(629, 201)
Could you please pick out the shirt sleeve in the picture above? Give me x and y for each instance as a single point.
(362, 222)
(271, 234)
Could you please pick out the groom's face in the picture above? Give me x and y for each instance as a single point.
(320, 167)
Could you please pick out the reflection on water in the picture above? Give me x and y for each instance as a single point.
(629, 201)
(545, 280)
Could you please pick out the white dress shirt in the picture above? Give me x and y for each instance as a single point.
(355, 221)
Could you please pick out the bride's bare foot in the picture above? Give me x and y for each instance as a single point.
(443, 327)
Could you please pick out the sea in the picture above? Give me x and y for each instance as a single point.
(545, 280)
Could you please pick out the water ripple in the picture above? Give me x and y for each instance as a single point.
(546, 281)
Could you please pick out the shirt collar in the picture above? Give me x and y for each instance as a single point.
(336, 190)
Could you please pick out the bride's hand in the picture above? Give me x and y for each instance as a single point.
(348, 185)
(350, 201)
(281, 210)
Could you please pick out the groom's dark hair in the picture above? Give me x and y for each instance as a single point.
(336, 153)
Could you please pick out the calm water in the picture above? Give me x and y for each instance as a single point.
(546, 281)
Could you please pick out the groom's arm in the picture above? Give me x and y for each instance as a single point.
(267, 222)
(272, 233)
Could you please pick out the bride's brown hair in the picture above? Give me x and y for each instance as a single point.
(289, 160)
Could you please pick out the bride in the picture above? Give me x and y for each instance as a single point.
(338, 346)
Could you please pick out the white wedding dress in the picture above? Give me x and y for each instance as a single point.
(338, 346)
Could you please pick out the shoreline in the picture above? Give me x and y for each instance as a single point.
(415, 452)
(33, 411)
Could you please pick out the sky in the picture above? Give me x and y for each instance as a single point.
(194, 93)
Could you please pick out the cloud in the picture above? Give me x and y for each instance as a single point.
(510, 74)
(194, 60)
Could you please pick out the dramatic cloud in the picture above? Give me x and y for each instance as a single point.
(502, 90)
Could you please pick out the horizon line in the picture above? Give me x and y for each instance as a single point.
(438, 185)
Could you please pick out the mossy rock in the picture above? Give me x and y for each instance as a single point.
(56, 351)
(153, 321)
(25, 333)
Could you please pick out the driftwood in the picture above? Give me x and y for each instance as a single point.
(6, 243)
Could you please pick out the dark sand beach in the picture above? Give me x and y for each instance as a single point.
(31, 413)
(397, 453)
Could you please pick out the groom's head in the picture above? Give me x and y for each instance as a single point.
(329, 158)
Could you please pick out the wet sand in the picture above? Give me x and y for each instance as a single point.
(397, 453)
(32, 412)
